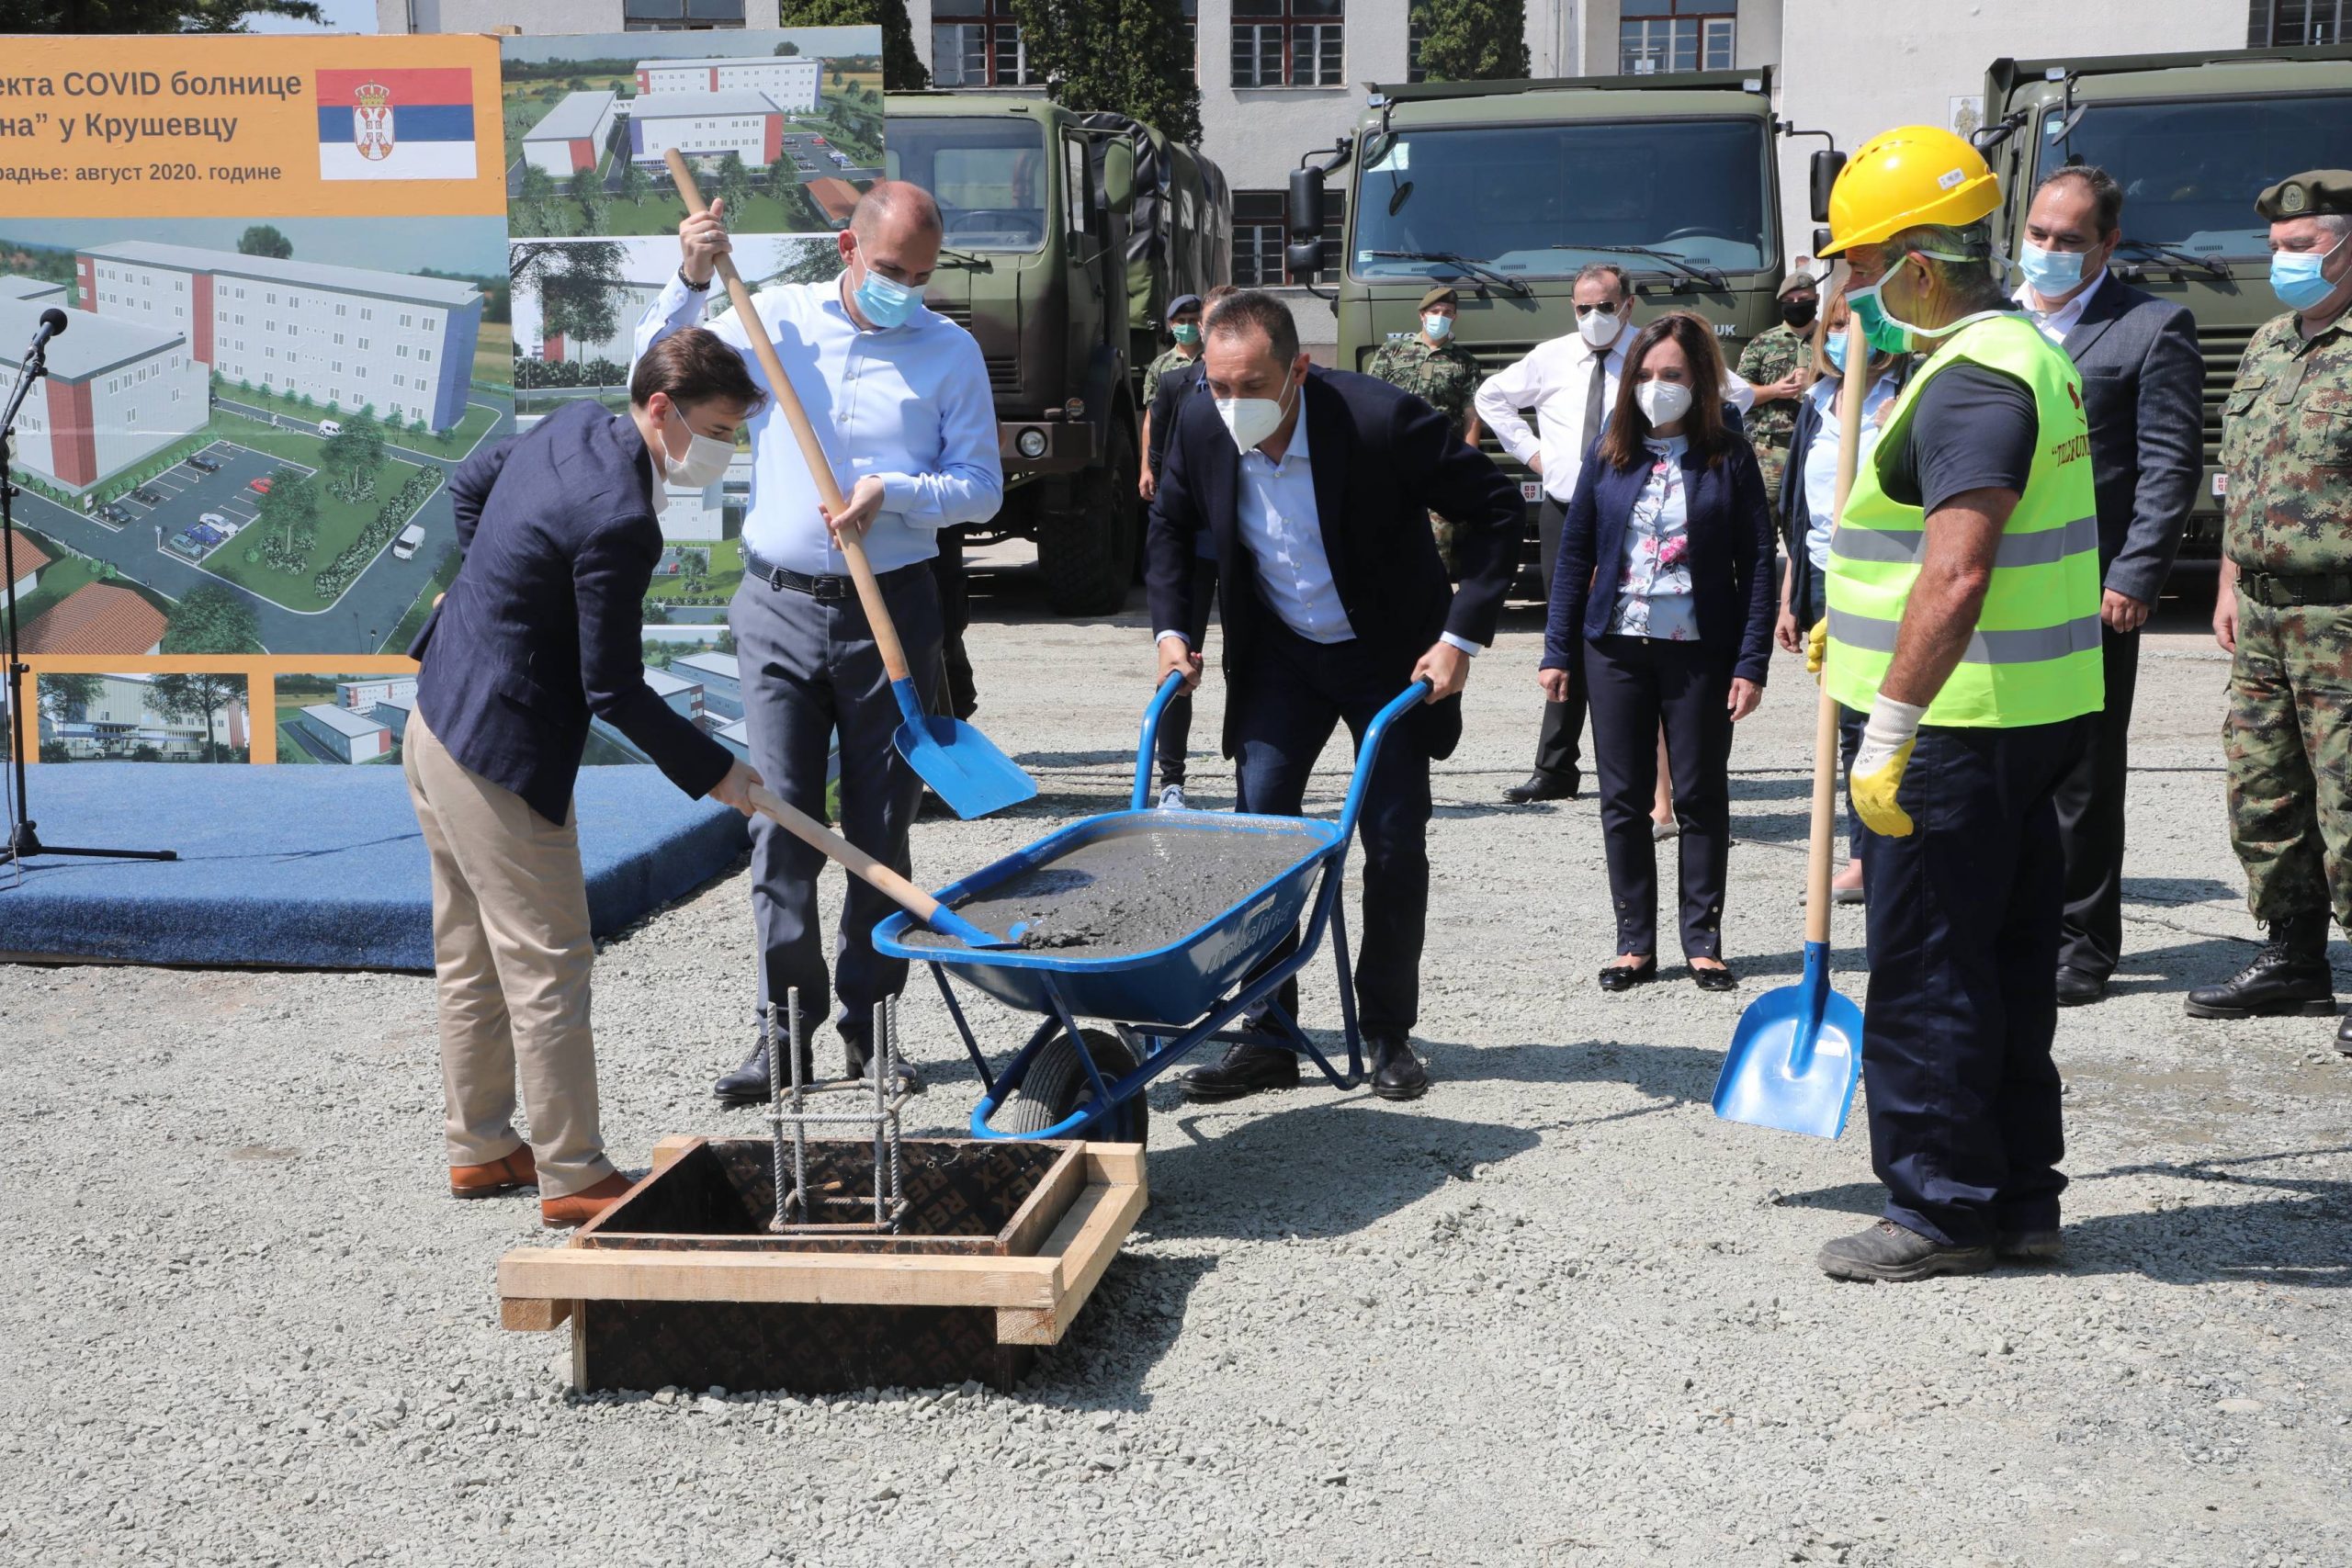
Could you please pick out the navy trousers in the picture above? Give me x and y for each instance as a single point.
(1284, 705)
(1559, 743)
(1637, 686)
(1965, 1124)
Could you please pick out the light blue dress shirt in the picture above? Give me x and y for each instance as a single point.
(909, 403)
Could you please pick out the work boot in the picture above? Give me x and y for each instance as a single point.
(1246, 1070)
(1397, 1071)
(1892, 1252)
(1544, 786)
(748, 1085)
(2031, 1246)
(859, 1053)
(2289, 976)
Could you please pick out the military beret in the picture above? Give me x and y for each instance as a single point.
(1795, 281)
(2314, 193)
(1182, 303)
(1442, 294)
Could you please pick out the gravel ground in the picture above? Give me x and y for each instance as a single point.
(1554, 1312)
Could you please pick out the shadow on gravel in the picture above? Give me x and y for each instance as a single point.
(1672, 1075)
(2174, 890)
(1325, 1168)
(2301, 1236)
(1130, 1322)
(1867, 1199)
(1075, 759)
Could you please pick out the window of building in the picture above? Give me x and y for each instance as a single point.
(1415, 26)
(1674, 35)
(343, 310)
(976, 43)
(2288, 24)
(405, 320)
(270, 298)
(1287, 43)
(366, 314)
(683, 15)
(431, 324)
(338, 340)
(1191, 9)
(401, 351)
(363, 345)
(424, 357)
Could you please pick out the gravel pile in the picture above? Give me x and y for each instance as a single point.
(1552, 1314)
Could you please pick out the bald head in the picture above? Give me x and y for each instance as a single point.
(894, 204)
(894, 231)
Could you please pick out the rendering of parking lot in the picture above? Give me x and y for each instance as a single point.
(246, 436)
(786, 126)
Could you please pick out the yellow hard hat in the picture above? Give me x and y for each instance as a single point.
(1904, 177)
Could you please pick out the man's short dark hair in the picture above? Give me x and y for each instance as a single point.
(1246, 308)
(2106, 196)
(1610, 270)
(692, 365)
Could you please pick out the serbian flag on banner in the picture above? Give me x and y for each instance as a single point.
(397, 125)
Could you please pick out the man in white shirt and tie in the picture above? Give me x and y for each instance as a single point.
(1317, 486)
(900, 398)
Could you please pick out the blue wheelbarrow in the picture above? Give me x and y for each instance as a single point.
(1163, 1003)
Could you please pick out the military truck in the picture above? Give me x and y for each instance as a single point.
(2192, 139)
(1066, 235)
(1505, 189)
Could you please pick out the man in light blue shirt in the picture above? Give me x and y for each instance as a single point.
(900, 401)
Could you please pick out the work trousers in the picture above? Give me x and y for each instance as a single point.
(1557, 743)
(1284, 705)
(1635, 685)
(1964, 911)
(510, 956)
(2287, 737)
(1175, 736)
(809, 668)
(2090, 801)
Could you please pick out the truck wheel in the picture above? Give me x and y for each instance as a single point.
(1056, 1085)
(1088, 553)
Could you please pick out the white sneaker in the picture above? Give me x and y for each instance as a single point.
(1171, 797)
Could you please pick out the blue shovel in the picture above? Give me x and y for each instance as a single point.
(1797, 1054)
(964, 767)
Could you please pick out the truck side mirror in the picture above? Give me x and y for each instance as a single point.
(1119, 177)
(1306, 208)
(1303, 258)
(1820, 241)
(1828, 164)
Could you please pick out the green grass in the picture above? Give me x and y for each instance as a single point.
(725, 573)
(452, 443)
(340, 522)
(444, 573)
(494, 353)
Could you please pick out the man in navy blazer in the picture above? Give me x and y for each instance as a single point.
(539, 631)
(1316, 486)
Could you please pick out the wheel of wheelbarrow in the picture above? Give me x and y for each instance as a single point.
(1056, 1087)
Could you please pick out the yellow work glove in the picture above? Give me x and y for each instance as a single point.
(1879, 762)
(1816, 646)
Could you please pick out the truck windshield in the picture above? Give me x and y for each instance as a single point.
(1523, 198)
(989, 175)
(2191, 169)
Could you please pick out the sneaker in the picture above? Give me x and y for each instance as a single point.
(1893, 1252)
(1171, 797)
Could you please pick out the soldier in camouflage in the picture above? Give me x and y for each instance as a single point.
(1184, 326)
(1442, 373)
(2284, 612)
(1774, 363)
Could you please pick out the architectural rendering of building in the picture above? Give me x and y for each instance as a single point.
(573, 136)
(27, 558)
(97, 618)
(349, 737)
(790, 82)
(705, 125)
(121, 719)
(351, 337)
(117, 389)
(722, 681)
(363, 693)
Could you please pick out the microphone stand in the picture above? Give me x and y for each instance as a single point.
(24, 840)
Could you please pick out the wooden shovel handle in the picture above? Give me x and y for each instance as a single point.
(857, 861)
(1853, 392)
(812, 451)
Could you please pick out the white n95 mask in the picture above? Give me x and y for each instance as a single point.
(1251, 420)
(704, 462)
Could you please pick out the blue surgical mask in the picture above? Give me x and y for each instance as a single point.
(886, 303)
(1835, 347)
(2051, 273)
(1437, 326)
(2298, 277)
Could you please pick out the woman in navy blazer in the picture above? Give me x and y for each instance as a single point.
(1662, 602)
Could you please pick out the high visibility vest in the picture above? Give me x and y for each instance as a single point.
(2034, 656)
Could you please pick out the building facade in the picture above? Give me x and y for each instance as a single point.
(350, 336)
(347, 736)
(790, 82)
(121, 719)
(705, 125)
(117, 391)
(721, 680)
(363, 693)
(573, 136)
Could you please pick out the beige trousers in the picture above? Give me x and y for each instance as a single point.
(511, 953)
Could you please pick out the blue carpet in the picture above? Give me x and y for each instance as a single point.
(310, 867)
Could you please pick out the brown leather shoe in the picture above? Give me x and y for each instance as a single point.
(498, 1175)
(579, 1208)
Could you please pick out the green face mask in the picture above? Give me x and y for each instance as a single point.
(1186, 334)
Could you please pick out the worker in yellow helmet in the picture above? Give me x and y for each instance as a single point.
(1963, 599)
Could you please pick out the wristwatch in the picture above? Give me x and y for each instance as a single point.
(702, 287)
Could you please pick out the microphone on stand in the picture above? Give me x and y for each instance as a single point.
(52, 323)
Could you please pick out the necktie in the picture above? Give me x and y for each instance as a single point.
(1594, 396)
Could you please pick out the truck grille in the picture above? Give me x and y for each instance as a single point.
(2222, 348)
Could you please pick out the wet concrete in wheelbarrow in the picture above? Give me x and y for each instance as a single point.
(1129, 892)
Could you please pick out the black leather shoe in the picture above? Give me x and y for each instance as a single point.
(1721, 979)
(1396, 1073)
(1246, 1070)
(1625, 977)
(2289, 977)
(2344, 1036)
(748, 1085)
(2078, 989)
(860, 1056)
(1545, 786)
(2031, 1246)
(1891, 1252)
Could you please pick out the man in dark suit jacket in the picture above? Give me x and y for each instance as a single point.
(2143, 392)
(1316, 486)
(541, 630)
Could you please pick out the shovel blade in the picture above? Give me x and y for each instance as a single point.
(1795, 1058)
(962, 766)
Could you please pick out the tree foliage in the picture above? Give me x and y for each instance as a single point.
(1126, 55)
(579, 286)
(586, 189)
(147, 16)
(62, 696)
(903, 70)
(197, 697)
(265, 240)
(1473, 40)
(213, 619)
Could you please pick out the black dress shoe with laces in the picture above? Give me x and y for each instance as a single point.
(2289, 977)
(1545, 786)
(1396, 1072)
(2076, 988)
(2344, 1036)
(860, 1058)
(1625, 977)
(1246, 1070)
(748, 1085)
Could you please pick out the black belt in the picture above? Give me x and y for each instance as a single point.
(2282, 590)
(817, 587)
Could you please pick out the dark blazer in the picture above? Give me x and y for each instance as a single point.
(1810, 594)
(1732, 590)
(2144, 390)
(1382, 461)
(543, 625)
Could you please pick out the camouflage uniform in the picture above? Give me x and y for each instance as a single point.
(2287, 446)
(1769, 355)
(1445, 378)
(1167, 359)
